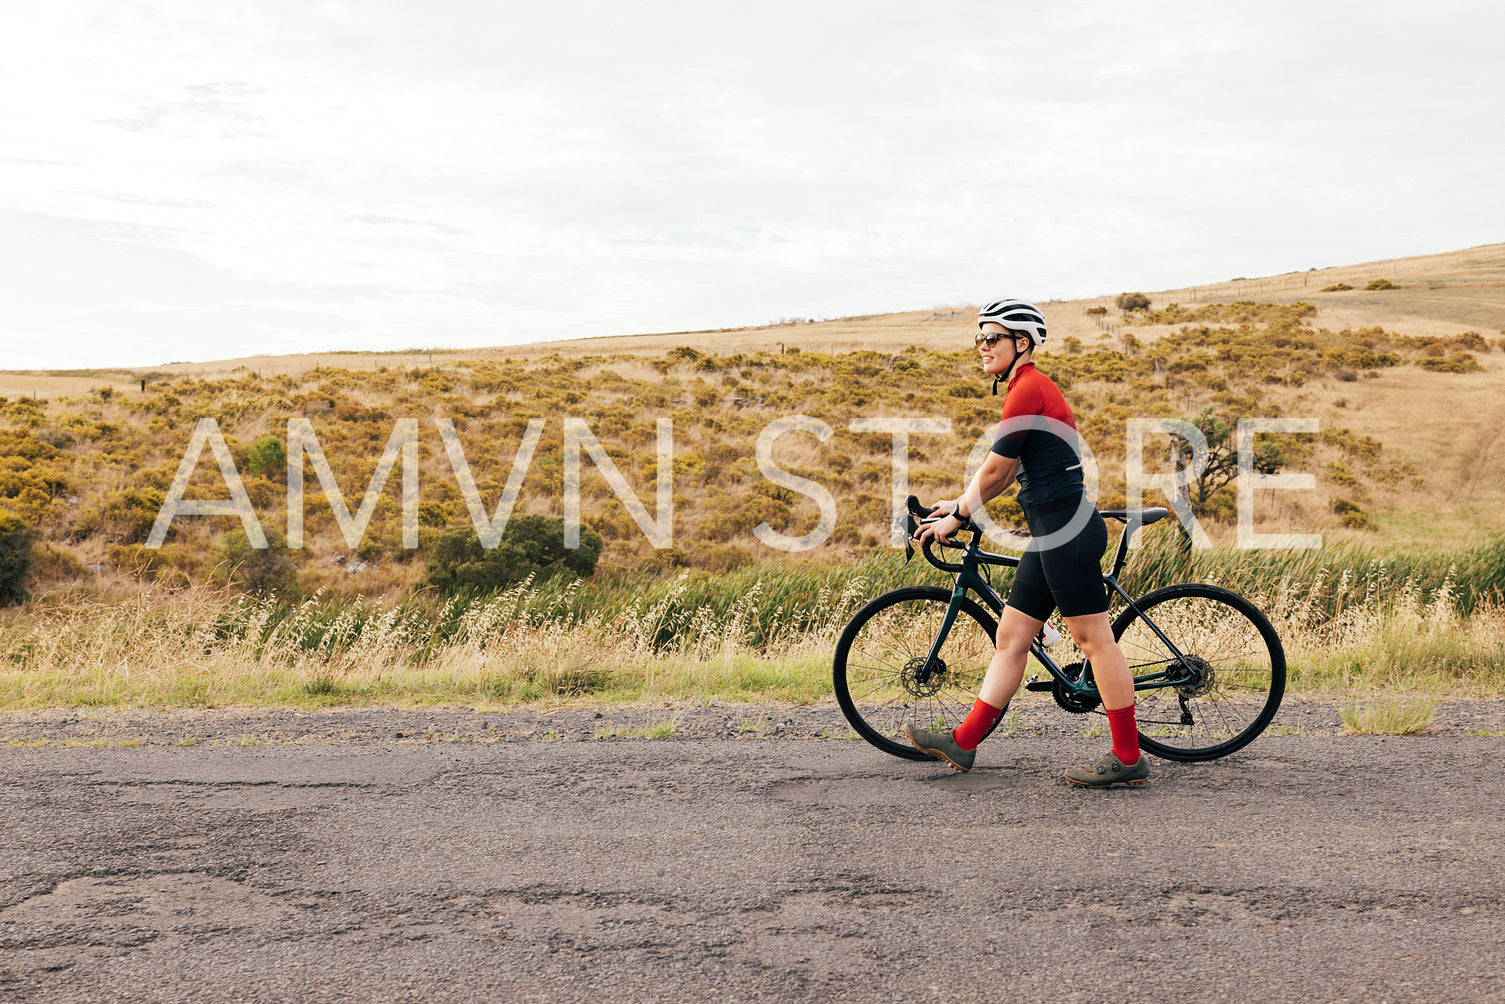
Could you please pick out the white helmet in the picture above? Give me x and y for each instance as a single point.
(1015, 315)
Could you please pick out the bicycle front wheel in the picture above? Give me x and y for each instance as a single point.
(881, 674)
(1238, 670)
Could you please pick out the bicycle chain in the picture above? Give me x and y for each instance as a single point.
(1068, 701)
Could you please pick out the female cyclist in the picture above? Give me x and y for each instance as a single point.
(1036, 445)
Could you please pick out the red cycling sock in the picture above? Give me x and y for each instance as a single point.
(978, 724)
(1125, 734)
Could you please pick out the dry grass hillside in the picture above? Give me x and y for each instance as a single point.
(1407, 385)
(1404, 383)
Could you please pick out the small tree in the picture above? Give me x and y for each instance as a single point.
(531, 545)
(1222, 458)
(1132, 301)
(16, 541)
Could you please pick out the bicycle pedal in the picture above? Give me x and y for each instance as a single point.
(1038, 685)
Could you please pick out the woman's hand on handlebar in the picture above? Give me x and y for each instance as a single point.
(940, 529)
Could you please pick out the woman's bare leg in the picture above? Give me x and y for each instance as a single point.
(1016, 630)
(1115, 684)
(1094, 636)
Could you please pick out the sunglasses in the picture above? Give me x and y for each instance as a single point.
(992, 338)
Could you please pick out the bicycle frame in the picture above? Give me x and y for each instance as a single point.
(968, 579)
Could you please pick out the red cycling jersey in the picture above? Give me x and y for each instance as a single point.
(1050, 469)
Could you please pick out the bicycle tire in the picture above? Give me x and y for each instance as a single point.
(1240, 657)
(874, 666)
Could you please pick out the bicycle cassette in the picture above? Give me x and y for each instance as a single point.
(1204, 679)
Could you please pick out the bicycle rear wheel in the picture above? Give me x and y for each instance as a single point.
(1239, 670)
(880, 674)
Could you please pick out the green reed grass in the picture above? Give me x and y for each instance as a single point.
(1326, 580)
(1350, 620)
(1394, 716)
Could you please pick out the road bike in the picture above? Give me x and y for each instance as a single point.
(1209, 669)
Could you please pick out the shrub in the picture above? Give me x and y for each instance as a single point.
(1096, 311)
(260, 571)
(1339, 473)
(1365, 448)
(1458, 362)
(57, 438)
(1351, 514)
(1471, 340)
(25, 411)
(267, 457)
(532, 545)
(1238, 312)
(16, 541)
(1132, 301)
(1381, 284)
(1337, 287)
(51, 564)
(126, 517)
(174, 566)
(723, 558)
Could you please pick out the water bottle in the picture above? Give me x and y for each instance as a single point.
(1048, 635)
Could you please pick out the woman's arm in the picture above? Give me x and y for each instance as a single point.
(992, 478)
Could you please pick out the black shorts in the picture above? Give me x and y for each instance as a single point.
(1068, 574)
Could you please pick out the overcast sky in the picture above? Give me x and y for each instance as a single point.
(209, 180)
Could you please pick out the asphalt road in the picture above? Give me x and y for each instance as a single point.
(1309, 867)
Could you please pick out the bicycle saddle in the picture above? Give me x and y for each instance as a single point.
(1143, 517)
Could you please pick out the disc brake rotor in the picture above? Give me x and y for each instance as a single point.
(930, 685)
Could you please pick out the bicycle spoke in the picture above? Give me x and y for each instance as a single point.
(1208, 691)
(884, 676)
(1231, 679)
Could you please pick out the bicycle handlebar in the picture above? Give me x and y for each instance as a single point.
(1132, 518)
(912, 525)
